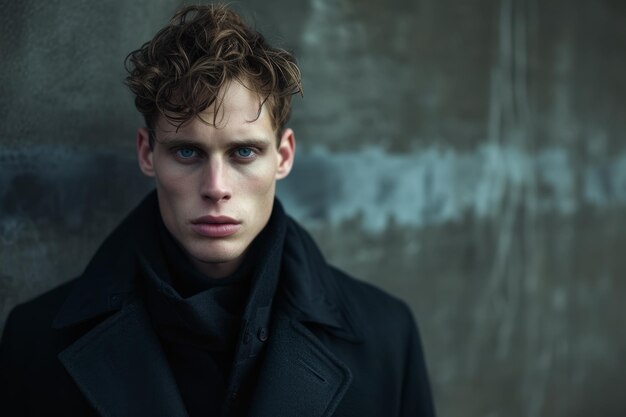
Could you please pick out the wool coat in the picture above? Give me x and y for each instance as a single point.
(336, 346)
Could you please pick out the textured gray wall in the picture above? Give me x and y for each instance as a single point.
(469, 157)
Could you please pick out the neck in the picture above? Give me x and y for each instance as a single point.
(217, 270)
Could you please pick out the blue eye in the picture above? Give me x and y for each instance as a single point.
(186, 153)
(244, 152)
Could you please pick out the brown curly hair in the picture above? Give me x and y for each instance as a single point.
(182, 70)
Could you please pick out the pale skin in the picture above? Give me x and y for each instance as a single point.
(230, 170)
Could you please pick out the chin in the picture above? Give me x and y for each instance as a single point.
(216, 252)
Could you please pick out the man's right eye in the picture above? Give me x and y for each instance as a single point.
(186, 153)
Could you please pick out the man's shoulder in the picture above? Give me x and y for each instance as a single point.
(364, 304)
(39, 312)
(29, 338)
(372, 306)
(365, 291)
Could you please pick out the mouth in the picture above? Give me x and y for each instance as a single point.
(215, 226)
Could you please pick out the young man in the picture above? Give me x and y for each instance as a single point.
(208, 300)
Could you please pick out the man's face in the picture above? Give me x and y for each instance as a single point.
(216, 185)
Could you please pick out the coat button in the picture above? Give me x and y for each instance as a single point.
(115, 301)
(263, 334)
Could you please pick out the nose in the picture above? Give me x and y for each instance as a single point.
(215, 182)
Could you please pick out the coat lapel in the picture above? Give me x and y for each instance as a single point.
(121, 369)
(299, 376)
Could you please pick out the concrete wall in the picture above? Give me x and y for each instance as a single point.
(469, 157)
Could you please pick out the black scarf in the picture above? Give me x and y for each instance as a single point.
(212, 329)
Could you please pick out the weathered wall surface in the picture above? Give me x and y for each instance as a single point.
(469, 157)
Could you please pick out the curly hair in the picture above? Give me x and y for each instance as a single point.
(182, 70)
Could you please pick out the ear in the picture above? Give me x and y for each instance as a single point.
(144, 152)
(286, 154)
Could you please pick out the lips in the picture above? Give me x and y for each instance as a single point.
(215, 226)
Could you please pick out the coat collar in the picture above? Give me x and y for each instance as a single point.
(307, 286)
(121, 369)
(129, 378)
(310, 290)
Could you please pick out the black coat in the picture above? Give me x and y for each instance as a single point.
(337, 346)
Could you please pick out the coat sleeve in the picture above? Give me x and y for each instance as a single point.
(417, 398)
(12, 394)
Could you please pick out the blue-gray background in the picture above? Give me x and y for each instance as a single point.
(468, 157)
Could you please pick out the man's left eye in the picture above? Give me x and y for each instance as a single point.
(244, 152)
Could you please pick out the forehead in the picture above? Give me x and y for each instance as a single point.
(237, 109)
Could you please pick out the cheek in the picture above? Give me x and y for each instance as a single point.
(172, 192)
(172, 185)
(259, 180)
(172, 178)
(176, 192)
